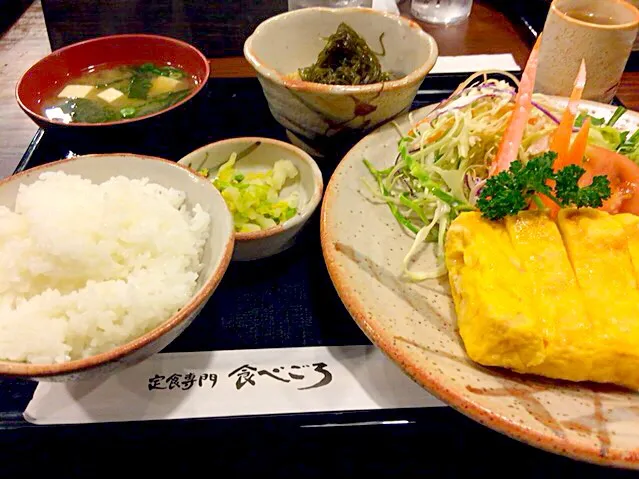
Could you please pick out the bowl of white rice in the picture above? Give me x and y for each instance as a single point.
(104, 260)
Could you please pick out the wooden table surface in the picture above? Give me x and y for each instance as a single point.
(487, 31)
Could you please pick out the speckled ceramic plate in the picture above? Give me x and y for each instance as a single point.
(415, 325)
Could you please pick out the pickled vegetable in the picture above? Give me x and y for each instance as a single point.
(254, 198)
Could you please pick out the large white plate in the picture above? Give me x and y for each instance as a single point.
(415, 325)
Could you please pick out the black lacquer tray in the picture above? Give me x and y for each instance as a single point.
(284, 301)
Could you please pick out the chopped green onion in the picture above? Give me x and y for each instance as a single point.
(127, 112)
(616, 115)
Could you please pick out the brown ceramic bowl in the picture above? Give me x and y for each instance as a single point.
(48, 75)
(315, 114)
(309, 186)
(216, 257)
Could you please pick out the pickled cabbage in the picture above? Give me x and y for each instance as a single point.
(254, 197)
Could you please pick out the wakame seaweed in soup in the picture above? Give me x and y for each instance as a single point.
(346, 60)
(118, 93)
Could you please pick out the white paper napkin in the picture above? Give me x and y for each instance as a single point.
(475, 63)
(233, 383)
(460, 63)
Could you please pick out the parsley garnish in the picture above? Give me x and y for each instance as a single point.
(510, 192)
(568, 192)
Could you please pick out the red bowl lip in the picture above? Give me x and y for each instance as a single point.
(60, 51)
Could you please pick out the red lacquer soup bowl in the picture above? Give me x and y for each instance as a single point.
(44, 79)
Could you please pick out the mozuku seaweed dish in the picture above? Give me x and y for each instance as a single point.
(347, 59)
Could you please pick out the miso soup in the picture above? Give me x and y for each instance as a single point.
(118, 93)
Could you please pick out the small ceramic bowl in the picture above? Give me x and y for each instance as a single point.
(312, 113)
(309, 185)
(48, 75)
(217, 255)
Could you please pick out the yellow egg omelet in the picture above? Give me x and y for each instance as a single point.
(553, 298)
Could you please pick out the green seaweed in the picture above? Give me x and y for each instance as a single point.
(161, 102)
(140, 85)
(87, 111)
(346, 60)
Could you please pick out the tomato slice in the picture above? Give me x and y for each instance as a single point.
(622, 173)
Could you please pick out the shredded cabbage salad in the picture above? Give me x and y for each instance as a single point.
(442, 162)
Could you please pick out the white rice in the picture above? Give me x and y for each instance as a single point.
(85, 267)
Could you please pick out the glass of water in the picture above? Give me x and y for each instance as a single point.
(441, 11)
(295, 4)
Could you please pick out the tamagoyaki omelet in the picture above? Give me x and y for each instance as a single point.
(553, 298)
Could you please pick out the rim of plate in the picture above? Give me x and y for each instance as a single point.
(427, 378)
(44, 370)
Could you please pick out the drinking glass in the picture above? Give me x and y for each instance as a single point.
(441, 11)
(600, 32)
(635, 47)
(296, 4)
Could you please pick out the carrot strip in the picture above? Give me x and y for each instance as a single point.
(573, 157)
(552, 208)
(577, 150)
(509, 146)
(560, 142)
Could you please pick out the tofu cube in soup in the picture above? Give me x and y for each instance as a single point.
(161, 85)
(75, 91)
(110, 95)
